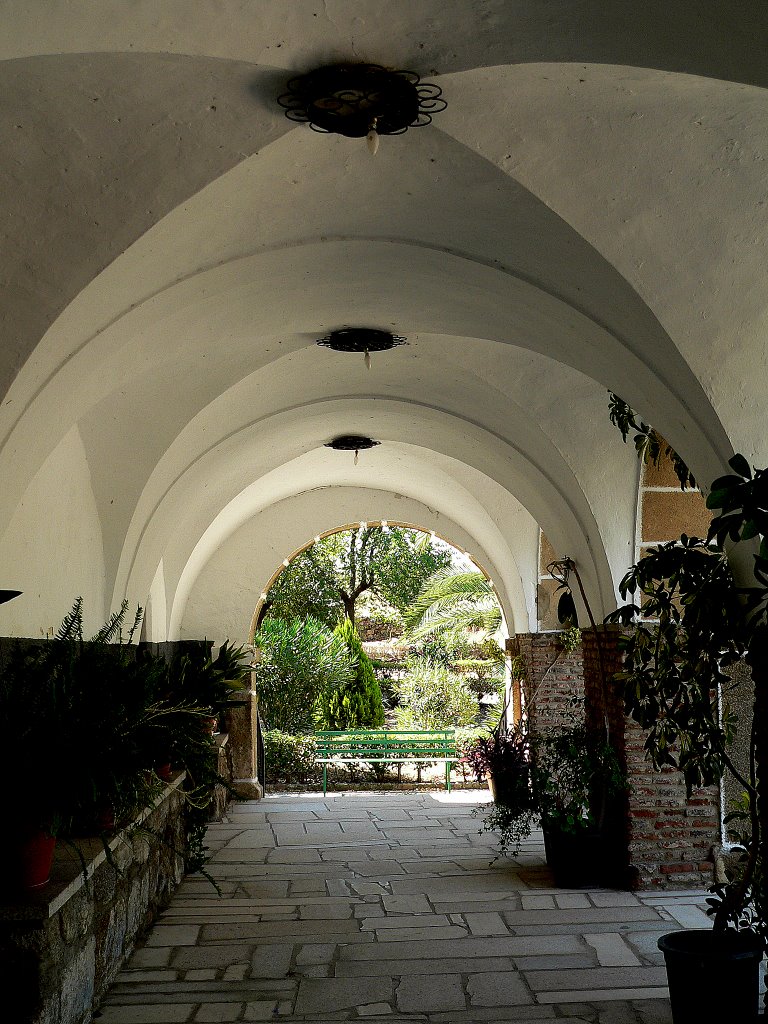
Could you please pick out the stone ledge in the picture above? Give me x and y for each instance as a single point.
(61, 948)
(69, 873)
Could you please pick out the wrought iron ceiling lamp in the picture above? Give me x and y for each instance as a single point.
(352, 443)
(361, 339)
(361, 101)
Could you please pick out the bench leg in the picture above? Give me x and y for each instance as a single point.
(448, 776)
(325, 779)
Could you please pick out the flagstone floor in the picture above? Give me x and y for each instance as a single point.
(384, 907)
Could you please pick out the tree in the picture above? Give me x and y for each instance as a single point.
(433, 697)
(356, 703)
(454, 602)
(328, 578)
(302, 664)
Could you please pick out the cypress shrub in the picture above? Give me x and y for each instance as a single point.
(356, 704)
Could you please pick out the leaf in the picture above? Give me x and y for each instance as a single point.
(749, 530)
(716, 499)
(566, 609)
(726, 483)
(741, 466)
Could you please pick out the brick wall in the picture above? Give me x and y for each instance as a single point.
(552, 679)
(668, 836)
(661, 839)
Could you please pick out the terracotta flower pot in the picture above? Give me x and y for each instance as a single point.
(28, 859)
(105, 819)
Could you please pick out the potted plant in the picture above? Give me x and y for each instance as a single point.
(693, 625)
(565, 780)
(88, 717)
(578, 781)
(211, 684)
(76, 715)
(502, 759)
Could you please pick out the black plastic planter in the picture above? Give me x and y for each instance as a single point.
(577, 860)
(712, 977)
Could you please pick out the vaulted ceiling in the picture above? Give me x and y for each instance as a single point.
(589, 212)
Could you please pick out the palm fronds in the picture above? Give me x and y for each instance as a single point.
(454, 602)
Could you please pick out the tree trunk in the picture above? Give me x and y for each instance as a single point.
(349, 607)
(758, 662)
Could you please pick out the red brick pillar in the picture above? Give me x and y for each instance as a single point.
(668, 838)
(552, 679)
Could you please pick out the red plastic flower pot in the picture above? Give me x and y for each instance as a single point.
(29, 859)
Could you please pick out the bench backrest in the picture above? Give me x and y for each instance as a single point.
(370, 744)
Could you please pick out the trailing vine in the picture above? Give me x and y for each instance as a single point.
(650, 446)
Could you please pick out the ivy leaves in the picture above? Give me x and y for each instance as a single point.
(675, 664)
(649, 444)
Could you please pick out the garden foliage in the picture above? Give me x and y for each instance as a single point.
(328, 578)
(356, 703)
(290, 758)
(432, 697)
(303, 664)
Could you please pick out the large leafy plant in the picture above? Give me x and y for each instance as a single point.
(575, 774)
(693, 624)
(303, 665)
(431, 696)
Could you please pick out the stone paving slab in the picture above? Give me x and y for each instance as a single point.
(385, 907)
(400, 968)
(597, 978)
(319, 996)
(466, 947)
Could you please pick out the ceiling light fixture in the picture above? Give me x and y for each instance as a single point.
(361, 101)
(352, 443)
(361, 339)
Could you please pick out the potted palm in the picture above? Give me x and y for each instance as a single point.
(211, 684)
(693, 625)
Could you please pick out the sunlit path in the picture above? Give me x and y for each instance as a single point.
(366, 905)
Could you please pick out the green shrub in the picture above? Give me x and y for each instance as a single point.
(433, 697)
(290, 758)
(357, 704)
(303, 663)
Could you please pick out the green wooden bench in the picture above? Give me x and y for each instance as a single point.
(393, 746)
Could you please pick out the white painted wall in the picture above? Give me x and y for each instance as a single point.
(228, 588)
(588, 212)
(52, 549)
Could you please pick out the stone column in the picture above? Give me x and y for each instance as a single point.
(242, 725)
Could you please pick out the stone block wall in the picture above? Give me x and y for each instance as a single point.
(61, 947)
(665, 511)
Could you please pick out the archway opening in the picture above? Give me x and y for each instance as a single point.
(419, 617)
